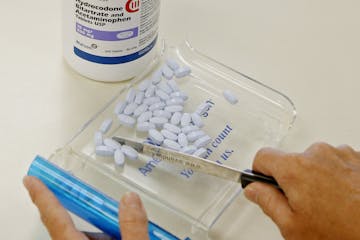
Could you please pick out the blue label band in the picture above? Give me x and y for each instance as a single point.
(114, 60)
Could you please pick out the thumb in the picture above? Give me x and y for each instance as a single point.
(271, 200)
(132, 218)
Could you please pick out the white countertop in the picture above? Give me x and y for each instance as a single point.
(308, 50)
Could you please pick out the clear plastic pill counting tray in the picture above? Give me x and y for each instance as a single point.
(184, 202)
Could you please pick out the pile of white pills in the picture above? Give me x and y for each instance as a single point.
(156, 108)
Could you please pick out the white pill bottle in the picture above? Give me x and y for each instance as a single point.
(110, 40)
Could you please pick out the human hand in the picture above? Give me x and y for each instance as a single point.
(132, 215)
(321, 187)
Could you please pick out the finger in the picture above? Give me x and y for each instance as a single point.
(132, 218)
(272, 202)
(268, 161)
(55, 218)
(347, 153)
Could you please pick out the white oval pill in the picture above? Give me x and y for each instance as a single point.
(185, 119)
(203, 141)
(139, 98)
(130, 108)
(201, 152)
(171, 145)
(158, 121)
(156, 136)
(202, 108)
(157, 77)
(196, 119)
(230, 97)
(140, 110)
(119, 157)
(119, 108)
(157, 106)
(182, 140)
(162, 113)
(165, 87)
(98, 138)
(175, 101)
(172, 128)
(145, 116)
(174, 108)
(179, 94)
(104, 151)
(172, 64)
(162, 95)
(112, 143)
(189, 149)
(176, 118)
(126, 120)
(130, 152)
(167, 72)
(173, 85)
(169, 135)
(130, 97)
(193, 136)
(151, 100)
(190, 128)
(150, 91)
(144, 126)
(182, 72)
(144, 85)
(105, 125)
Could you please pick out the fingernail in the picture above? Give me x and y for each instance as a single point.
(131, 199)
(250, 193)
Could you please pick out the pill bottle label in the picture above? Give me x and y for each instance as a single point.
(115, 31)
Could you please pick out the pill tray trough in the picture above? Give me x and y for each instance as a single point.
(180, 200)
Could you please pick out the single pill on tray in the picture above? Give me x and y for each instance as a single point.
(150, 91)
(202, 108)
(169, 135)
(173, 85)
(157, 106)
(119, 157)
(189, 149)
(172, 64)
(176, 118)
(144, 126)
(193, 136)
(139, 98)
(162, 113)
(196, 119)
(158, 121)
(172, 128)
(112, 143)
(165, 87)
(105, 125)
(126, 120)
(119, 108)
(151, 100)
(185, 119)
(201, 152)
(130, 108)
(145, 116)
(157, 77)
(203, 141)
(182, 72)
(98, 138)
(171, 145)
(130, 152)
(167, 72)
(156, 136)
(144, 85)
(182, 140)
(140, 110)
(130, 97)
(175, 101)
(190, 128)
(230, 97)
(162, 95)
(104, 151)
